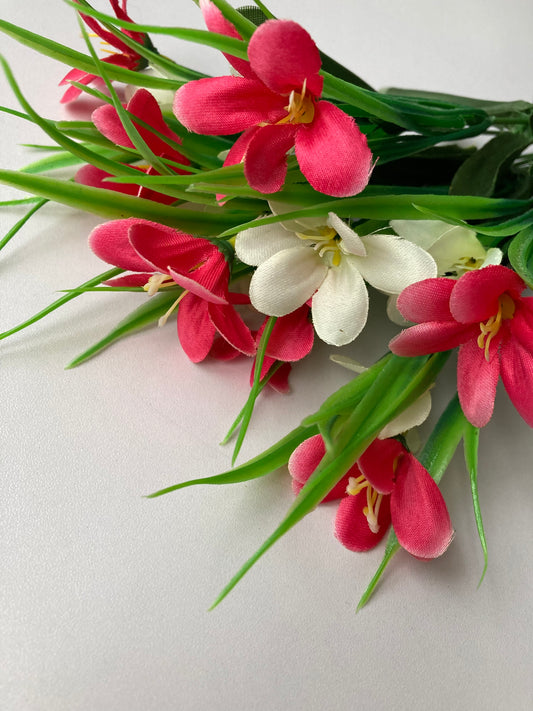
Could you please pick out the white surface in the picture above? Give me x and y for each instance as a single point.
(104, 594)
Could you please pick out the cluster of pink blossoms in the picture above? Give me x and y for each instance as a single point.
(275, 104)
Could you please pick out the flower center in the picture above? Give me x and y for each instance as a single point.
(373, 500)
(506, 309)
(300, 108)
(160, 281)
(463, 265)
(326, 242)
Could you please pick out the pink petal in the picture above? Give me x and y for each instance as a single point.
(351, 525)
(283, 55)
(378, 463)
(137, 279)
(517, 376)
(90, 175)
(475, 295)
(477, 379)
(232, 328)
(418, 511)
(224, 105)
(111, 243)
(82, 78)
(431, 337)
(216, 22)
(306, 458)
(194, 263)
(427, 300)
(332, 152)
(195, 329)
(239, 148)
(265, 161)
(280, 383)
(292, 336)
(222, 350)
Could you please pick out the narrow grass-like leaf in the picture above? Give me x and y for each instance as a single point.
(265, 463)
(471, 445)
(114, 205)
(63, 300)
(81, 61)
(256, 387)
(143, 316)
(18, 225)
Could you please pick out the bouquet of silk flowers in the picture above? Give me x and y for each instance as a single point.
(256, 208)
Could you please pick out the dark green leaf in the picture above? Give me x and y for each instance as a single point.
(521, 254)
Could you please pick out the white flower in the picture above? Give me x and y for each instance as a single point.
(326, 261)
(455, 249)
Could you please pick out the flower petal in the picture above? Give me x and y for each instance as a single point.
(265, 160)
(477, 379)
(284, 56)
(95, 177)
(224, 105)
(517, 377)
(475, 296)
(378, 463)
(351, 525)
(340, 306)
(418, 511)
(431, 337)
(306, 458)
(195, 329)
(427, 300)
(232, 328)
(111, 243)
(286, 281)
(351, 241)
(332, 152)
(424, 233)
(257, 244)
(391, 263)
(411, 417)
(216, 22)
(292, 336)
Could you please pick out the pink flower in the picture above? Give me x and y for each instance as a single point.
(387, 484)
(126, 56)
(483, 313)
(106, 119)
(161, 257)
(276, 104)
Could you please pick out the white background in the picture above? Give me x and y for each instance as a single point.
(104, 593)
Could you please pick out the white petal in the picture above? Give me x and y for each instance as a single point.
(302, 224)
(493, 256)
(350, 240)
(459, 243)
(424, 233)
(413, 416)
(287, 280)
(394, 313)
(392, 263)
(257, 244)
(348, 363)
(340, 306)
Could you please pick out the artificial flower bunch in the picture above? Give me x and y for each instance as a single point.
(259, 207)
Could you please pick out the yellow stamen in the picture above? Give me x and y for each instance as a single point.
(506, 309)
(162, 321)
(156, 282)
(300, 109)
(373, 499)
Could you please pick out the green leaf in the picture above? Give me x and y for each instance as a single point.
(63, 300)
(471, 445)
(479, 174)
(521, 254)
(114, 205)
(81, 61)
(265, 463)
(143, 316)
(16, 227)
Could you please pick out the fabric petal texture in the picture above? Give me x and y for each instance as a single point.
(257, 244)
(284, 56)
(427, 300)
(306, 458)
(475, 296)
(286, 281)
(265, 160)
(477, 379)
(332, 152)
(351, 525)
(340, 306)
(111, 243)
(418, 511)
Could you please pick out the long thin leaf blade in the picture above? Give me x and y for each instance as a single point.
(471, 446)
